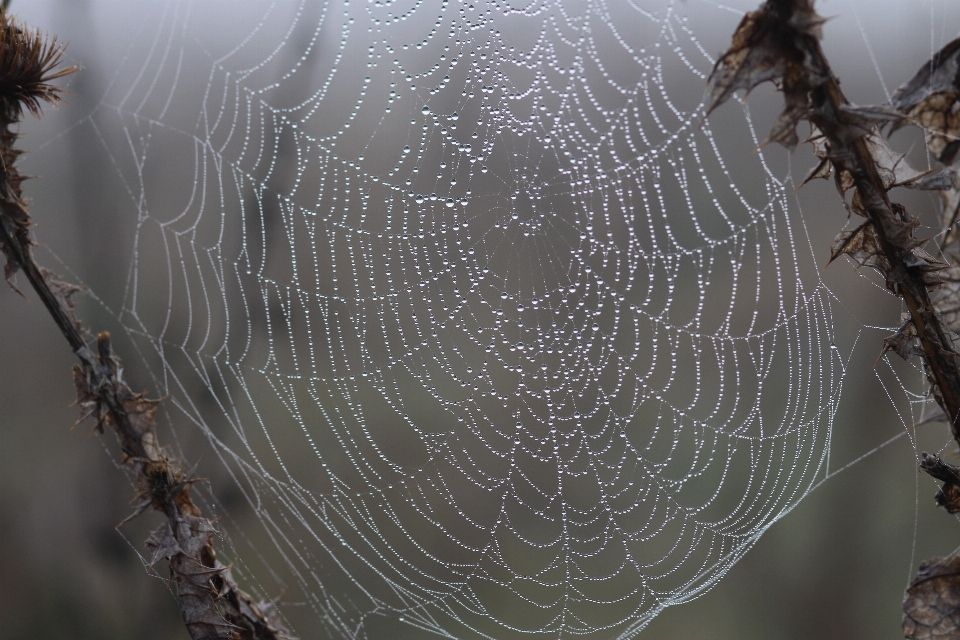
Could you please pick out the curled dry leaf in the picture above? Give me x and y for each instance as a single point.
(855, 122)
(192, 576)
(948, 496)
(931, 98)
(892, 165)
(863, 246)
(764, 49)
(903, 342)
(931, 608)
(944, 179)
(818, 142)
(920, 259)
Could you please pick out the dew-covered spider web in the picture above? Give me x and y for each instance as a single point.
(492, 331)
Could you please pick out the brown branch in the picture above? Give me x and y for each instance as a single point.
(211, 603)
(780, 42)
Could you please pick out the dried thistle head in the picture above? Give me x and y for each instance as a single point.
(28, 65)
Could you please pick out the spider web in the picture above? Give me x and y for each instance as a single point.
(492, 331)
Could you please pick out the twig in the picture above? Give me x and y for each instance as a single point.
(780, 42)
(211, 603)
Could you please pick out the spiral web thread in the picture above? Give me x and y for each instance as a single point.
(494, 333)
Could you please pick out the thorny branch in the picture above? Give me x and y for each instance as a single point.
(780, 43)
(211, 603)
(932, 99)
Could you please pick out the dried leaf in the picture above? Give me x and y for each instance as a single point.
(867, 117)
(195, 591)
(859, 121)
(892, 165)
(934, 180)
(863, 246)
(920, 259)
(822, 170)
(162, 544)
(931, 608)
(784, 130)
(939, 75)
(856, 205)
(753, 58)
(903, 342)
(765, 48)
(948, 496)
(931, 96)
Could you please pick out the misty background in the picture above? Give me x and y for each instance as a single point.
(836, 567)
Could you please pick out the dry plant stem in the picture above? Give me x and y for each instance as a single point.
(780, 43)
(938, 350)
(211, 603)
(26, 263)
(849, 150)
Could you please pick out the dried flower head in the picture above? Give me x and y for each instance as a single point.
(28, 65)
